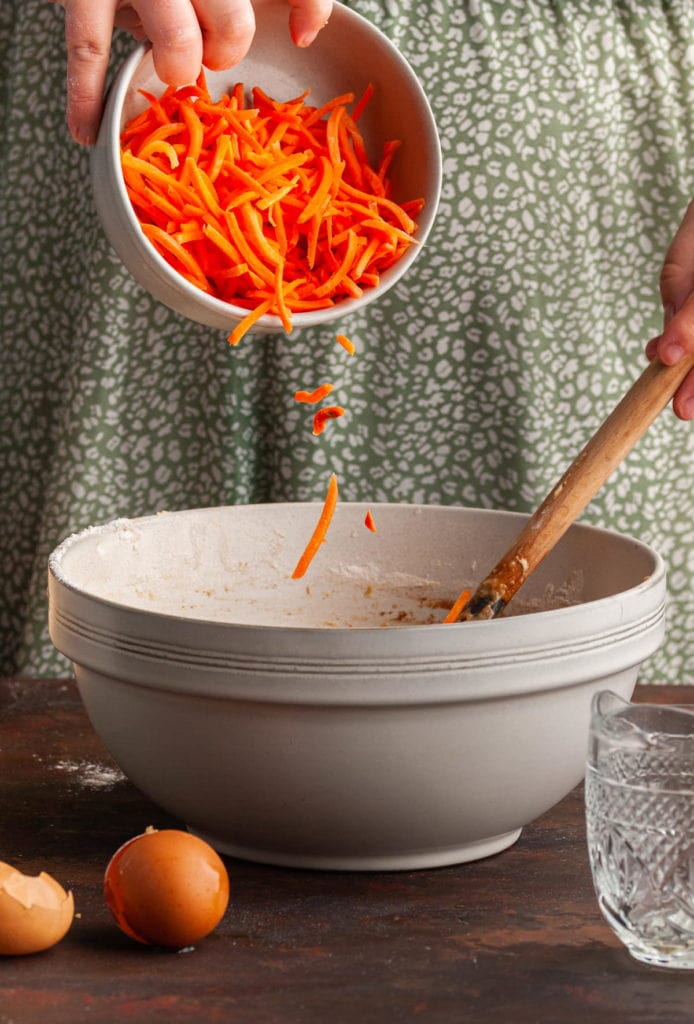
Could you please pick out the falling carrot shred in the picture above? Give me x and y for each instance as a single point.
(347, 345)
(244, 325)
(458, 607)
(265, 205)
(369, 521)
(328, 412)
(318, 535)
(311, 397)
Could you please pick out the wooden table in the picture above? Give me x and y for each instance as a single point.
(514, 939)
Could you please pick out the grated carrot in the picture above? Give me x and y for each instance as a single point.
(362, 102)
(319, 393)
(282, 190)
(328, 412)
(458, 606)
(347, 345)
(248, 321)
(369, 521)
(320, 531)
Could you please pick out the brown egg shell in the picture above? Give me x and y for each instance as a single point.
(35, 911)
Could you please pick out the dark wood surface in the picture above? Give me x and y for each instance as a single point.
(513, 939)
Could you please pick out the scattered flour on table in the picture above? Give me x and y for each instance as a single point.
(90, 774)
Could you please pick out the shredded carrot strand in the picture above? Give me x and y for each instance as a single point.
(340, 275)
(317, 395)
(369, 521)
(319, 533)
(159, 145)
(328, 412)
(195, 130)
(322, 193)
(458, 606)
(178, 251)
(220, 240)
(338, 101)
(347, 345)
(362, 102)
(245, 325)
(284, 189)
(282, 295)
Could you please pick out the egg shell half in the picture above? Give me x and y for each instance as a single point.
(35, 911)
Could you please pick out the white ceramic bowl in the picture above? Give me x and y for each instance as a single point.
(326, 722)
(348, 54)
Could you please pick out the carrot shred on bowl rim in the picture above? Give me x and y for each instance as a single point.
(369, 521)
(458, 606)
(320, 531)
(266, 204)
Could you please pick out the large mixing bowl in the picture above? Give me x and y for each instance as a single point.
(334, 721)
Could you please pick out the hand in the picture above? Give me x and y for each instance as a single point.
(184, 34)
(677, 293)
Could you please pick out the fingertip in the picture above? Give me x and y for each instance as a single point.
(217, 59)
(303, 39)
(306, 21)
(670, 351)
(83, 121)
(669, 347)
(77, 133)
(176, 50)
(226, 43)
(651, 349)
(683, 407)
(83, 138)
(176, 68)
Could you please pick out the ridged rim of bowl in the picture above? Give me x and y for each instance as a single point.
(98, 629)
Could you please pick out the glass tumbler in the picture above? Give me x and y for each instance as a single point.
(639, 794)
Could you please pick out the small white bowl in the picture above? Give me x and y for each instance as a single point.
(324, 722)
(348, 55)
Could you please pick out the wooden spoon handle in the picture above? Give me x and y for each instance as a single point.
(579, 484)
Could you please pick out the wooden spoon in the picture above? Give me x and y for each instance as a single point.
(579, 484)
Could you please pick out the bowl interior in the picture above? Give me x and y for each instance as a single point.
(234, 564)
(348, 55)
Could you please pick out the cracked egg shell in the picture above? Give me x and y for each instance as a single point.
(35, 911)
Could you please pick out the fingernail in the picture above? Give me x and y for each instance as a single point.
(688, 408)
(83, 134)
(306, 39)
(672, 352)
(85, 137)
